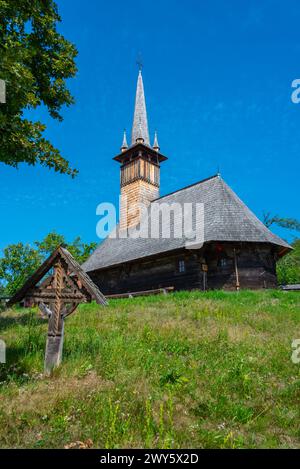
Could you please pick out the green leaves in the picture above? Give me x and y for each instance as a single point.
(288, 268)
(288, 223)
(35, 61)
(20, 260)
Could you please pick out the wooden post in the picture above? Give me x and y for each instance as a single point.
(204, 280)
(54, 345)
(236, 271)
(204, 268)
(54, 348)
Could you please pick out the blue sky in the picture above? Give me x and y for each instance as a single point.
(217, 78)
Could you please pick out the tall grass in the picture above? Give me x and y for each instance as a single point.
(189, 369)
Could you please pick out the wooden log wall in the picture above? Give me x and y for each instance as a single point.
(256, 264)
(140, 169)
(150, 274)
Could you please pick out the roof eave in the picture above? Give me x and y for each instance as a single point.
(283, 250)
(139, 146)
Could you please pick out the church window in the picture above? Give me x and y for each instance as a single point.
(225, 262)
(181, 266)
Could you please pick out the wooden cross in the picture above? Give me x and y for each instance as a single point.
(58, 296)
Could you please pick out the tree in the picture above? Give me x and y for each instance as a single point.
(79, 250)
(288, 268)
(288, 223)
(49, 244)
(18, 263)
(35, 61)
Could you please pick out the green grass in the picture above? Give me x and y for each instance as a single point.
(191, 369)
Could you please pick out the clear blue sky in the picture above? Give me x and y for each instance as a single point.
(217, 78)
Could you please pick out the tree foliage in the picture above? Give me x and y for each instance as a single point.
(288, 268)
(288, 223)
(49, 244)
(18, 263)
(35, 61)
(79, 250)
(20, 260)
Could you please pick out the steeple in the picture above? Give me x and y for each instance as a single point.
(140, 132)
(124, 143)
(140, 165)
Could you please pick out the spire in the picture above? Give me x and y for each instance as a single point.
(124, 143)
(155, 143)
(140, 130)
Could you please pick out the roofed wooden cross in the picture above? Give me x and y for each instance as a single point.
(57, 296)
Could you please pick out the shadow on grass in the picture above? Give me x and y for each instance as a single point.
(17, 368)
(28, 319)
(24, 347)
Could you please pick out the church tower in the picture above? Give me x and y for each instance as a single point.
(140, 164)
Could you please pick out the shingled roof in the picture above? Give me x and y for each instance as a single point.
(226, 218)
(75, 268)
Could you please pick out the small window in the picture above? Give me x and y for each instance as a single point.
(181, 266)
(225, 262)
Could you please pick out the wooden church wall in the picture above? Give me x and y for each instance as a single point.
(256, 265)
(152, 274)
(255, 262)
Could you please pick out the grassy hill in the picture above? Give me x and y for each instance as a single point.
(206, 370)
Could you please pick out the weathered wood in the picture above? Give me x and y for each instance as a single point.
(237, 284)
(255, 268)
(73, 272)
(37, 296)
(140, 168)
(57, 297)
(70, 309)
(295, 287)
(54, 345)
(54, 349)
(157, 291)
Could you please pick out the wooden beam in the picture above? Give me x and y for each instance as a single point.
(50, 295)
(156, 291)
(236, 270)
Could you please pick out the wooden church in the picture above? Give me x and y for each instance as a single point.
(238, 250)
